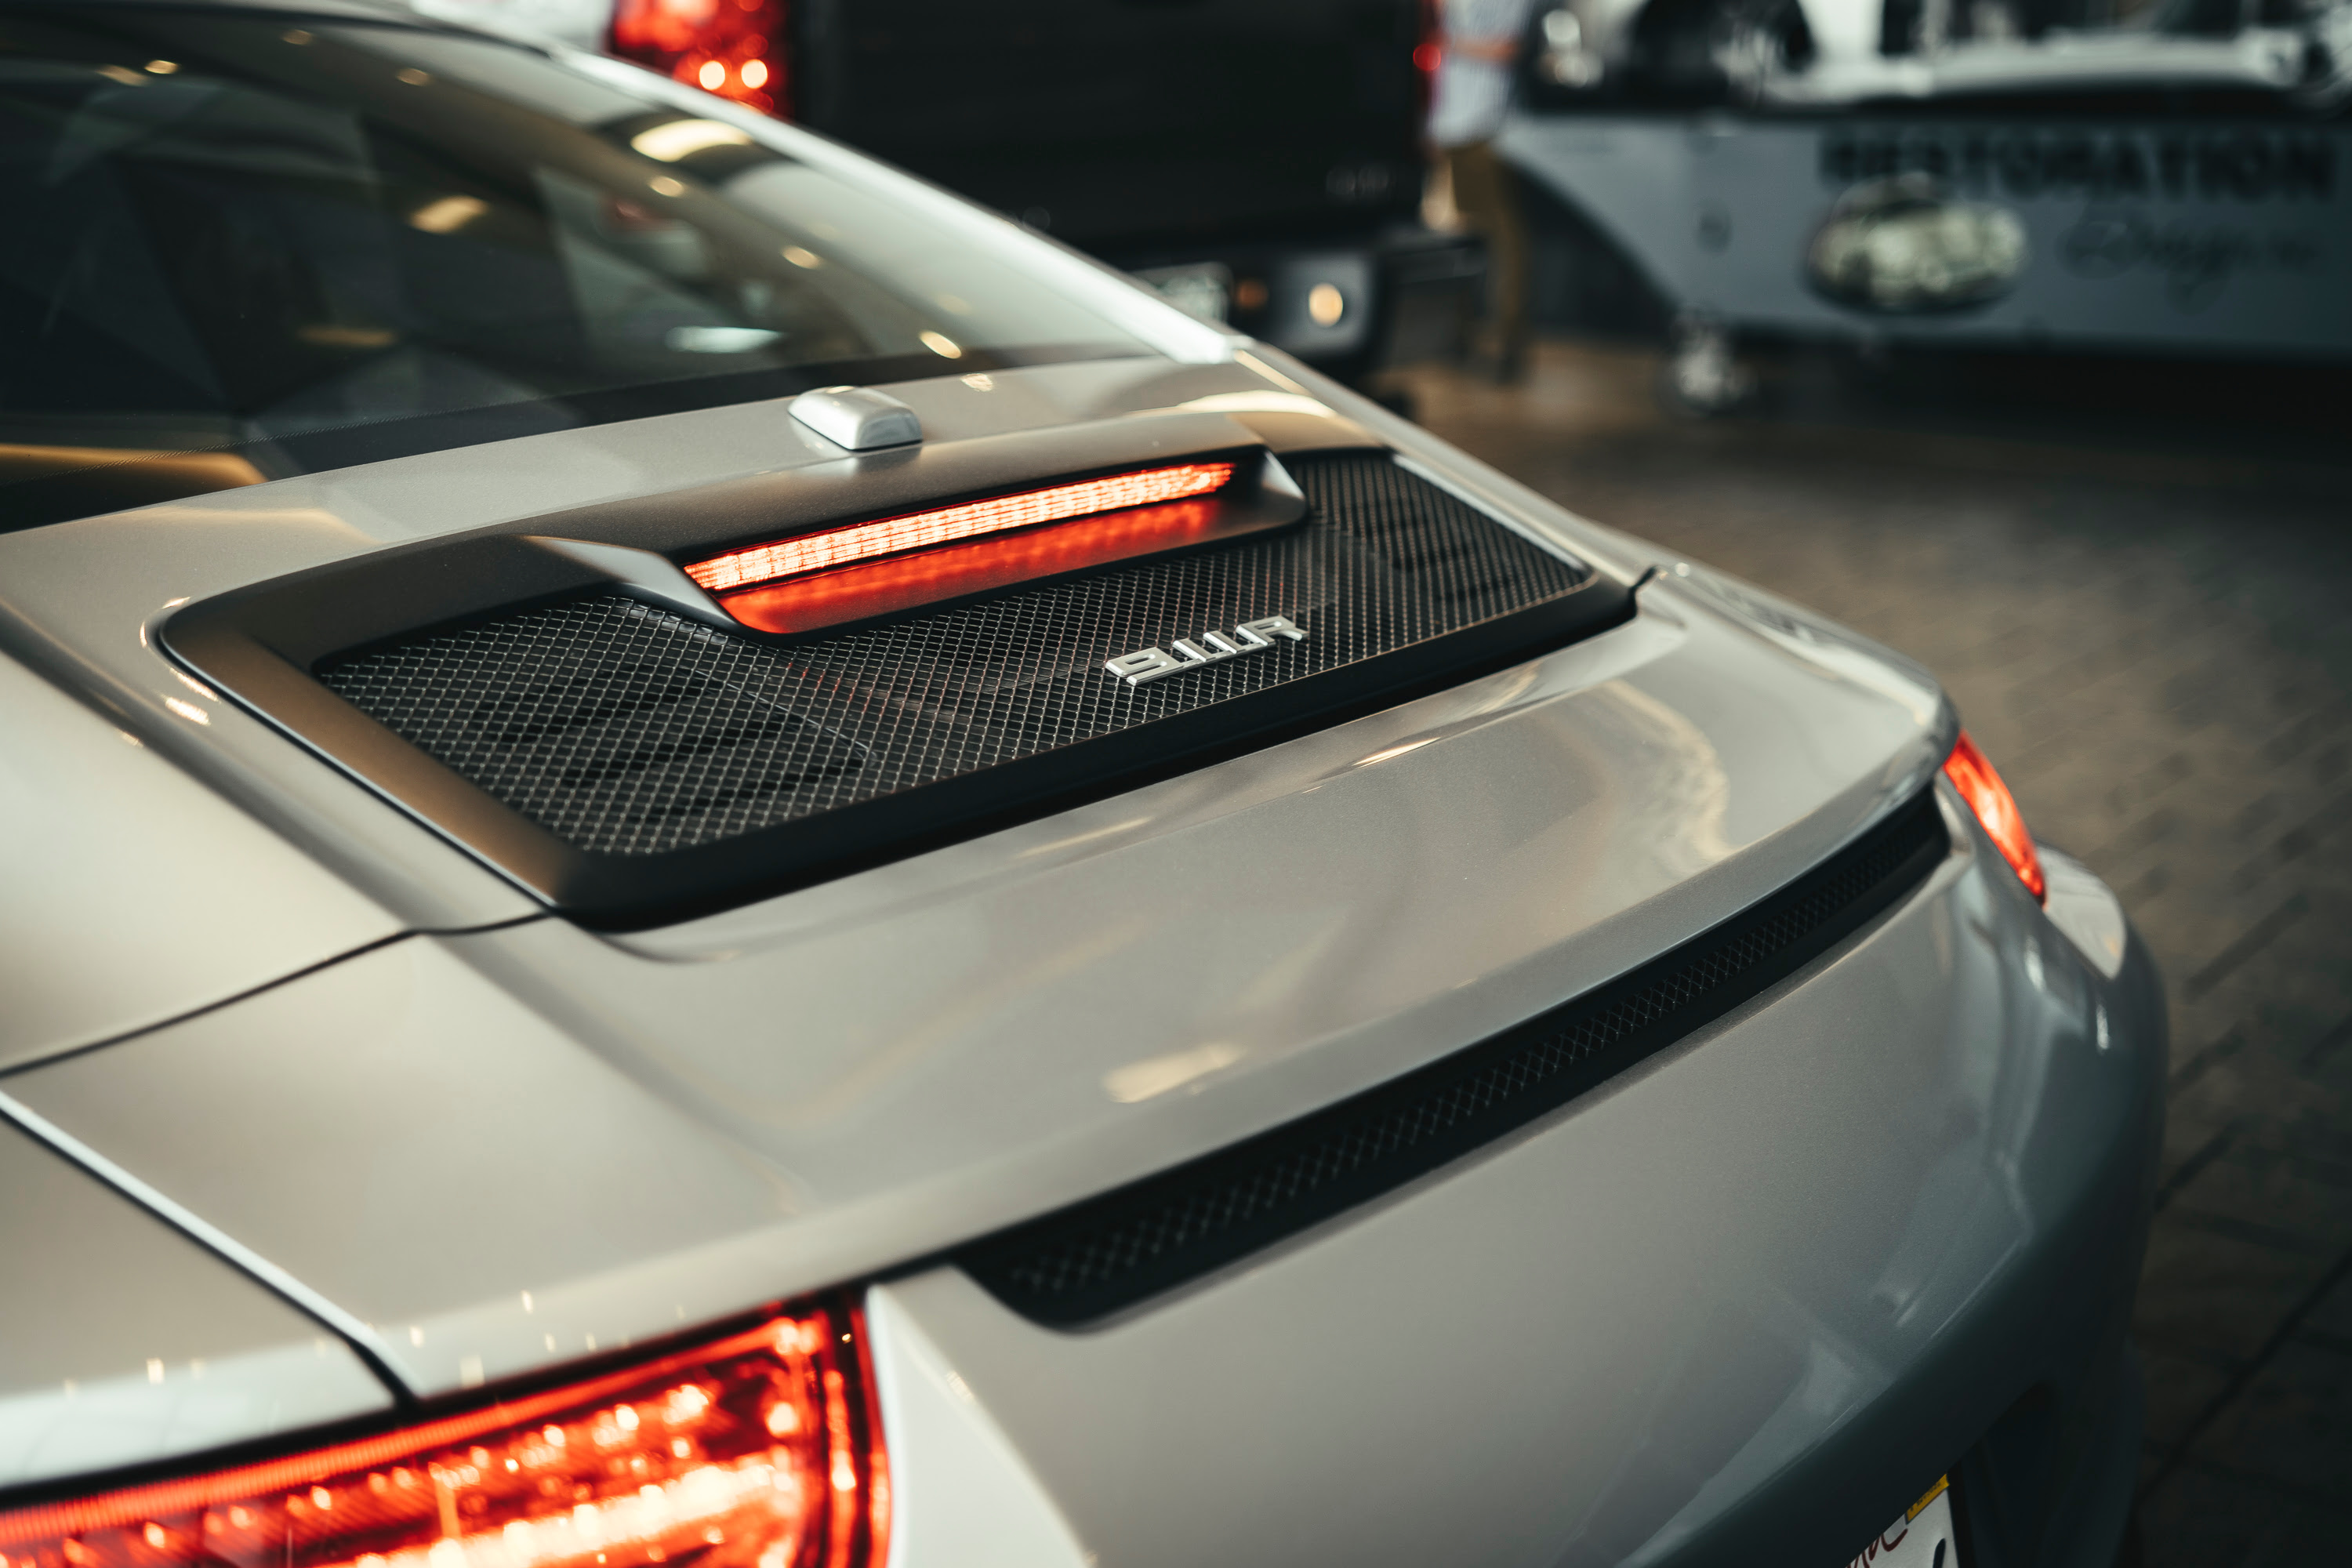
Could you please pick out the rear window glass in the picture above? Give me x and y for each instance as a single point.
(244, 246)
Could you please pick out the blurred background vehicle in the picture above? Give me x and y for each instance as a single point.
(2165, 177)
(1258, 161)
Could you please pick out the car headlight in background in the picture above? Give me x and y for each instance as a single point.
(1972, 774)
(761, 1449)
(1900, 246)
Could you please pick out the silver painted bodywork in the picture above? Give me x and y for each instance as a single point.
(1686, 1286)
(822, 1106)
(1772, 1282)
(92, 1378)
(106, 850)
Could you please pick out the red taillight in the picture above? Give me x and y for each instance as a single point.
(1996, 808)
(736, 48)
(866, 569)
(759, 1450)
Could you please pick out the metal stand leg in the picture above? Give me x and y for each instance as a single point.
(1703, 375)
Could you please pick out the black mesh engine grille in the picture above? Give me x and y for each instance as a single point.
(1120, 1248)
(626, 730)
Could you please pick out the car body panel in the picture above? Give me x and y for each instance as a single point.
(1614, 1337)
(108, 849)
(960, 1494)
(2086, 910)
(427, 1139)
(126, 1343)
(874, 1068)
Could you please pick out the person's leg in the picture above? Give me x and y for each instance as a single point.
(1508, 244)
(1486, 192)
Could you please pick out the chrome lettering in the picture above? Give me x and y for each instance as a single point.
(1273, 626)
(1146, 664)
(1242, 641)
(1151, 664)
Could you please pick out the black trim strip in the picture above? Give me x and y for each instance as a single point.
(1125, 1246)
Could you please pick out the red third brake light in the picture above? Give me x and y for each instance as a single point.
(759, 1450)
(951, 525)
(735, 48)
(863, 569)
(1996, 808)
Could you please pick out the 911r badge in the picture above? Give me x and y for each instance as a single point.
(1198, 653)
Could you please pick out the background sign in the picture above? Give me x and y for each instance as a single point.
(2183, 236)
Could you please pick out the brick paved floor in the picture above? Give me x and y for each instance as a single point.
(2143, 621)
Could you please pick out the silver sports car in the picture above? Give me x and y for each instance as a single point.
(708, 860)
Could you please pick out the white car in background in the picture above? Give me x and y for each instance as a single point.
(2007, 176)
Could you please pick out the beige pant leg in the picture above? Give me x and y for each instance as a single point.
(1486, 194)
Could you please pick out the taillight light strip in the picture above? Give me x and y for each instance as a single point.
(1973, 775)
(861, 542)
(762, 1450)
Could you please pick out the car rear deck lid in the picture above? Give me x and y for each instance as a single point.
(597, 732)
